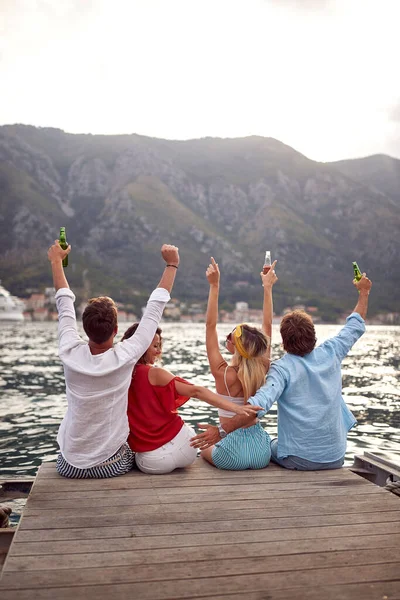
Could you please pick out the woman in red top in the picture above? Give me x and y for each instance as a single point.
(158, 435)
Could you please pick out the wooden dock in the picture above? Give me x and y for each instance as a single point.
(203, 533)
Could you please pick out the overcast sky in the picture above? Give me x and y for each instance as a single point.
(319, 75)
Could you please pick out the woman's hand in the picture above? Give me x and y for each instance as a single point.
(270, 278)
(212, 273)
(246, 410)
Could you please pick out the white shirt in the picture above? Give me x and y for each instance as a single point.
(96, 423)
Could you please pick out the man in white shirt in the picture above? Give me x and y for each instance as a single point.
(92, 436)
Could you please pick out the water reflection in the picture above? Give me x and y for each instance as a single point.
(32, 394)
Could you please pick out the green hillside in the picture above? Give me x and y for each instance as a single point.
(121, 197)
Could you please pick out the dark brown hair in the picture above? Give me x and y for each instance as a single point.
(298, 333)
(99, 319)
(129, 333)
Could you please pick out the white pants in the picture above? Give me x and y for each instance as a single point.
(175, 454)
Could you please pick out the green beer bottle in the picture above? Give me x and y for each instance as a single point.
(357, 272)
(64, 245)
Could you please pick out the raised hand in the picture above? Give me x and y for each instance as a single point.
(212, 273)
(364, 284)
(269, 278)
(170, 254)
(56, 253)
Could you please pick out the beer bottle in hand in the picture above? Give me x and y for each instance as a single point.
(64, 245)
(357, 272)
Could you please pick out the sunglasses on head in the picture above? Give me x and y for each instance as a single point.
(229, 336)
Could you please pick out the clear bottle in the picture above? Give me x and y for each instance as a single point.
(267, 262)
(64, 245)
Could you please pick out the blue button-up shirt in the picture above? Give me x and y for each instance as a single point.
(313, 419)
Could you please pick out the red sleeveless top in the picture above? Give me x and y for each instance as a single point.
(152, 411)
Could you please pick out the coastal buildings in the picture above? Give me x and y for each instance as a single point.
(41, 307)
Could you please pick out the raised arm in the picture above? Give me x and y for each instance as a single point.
(214, 355)
(137, 344)
(67, 332)
(56, 254)
(268, 281)
(354, 328)
(170, 255)
(364, 287)
(162, 377)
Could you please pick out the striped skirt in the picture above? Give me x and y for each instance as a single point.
(120, 463)
(243, 449)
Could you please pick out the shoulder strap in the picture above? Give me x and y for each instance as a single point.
(226, 383)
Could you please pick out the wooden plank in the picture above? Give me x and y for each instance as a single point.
(222, 487)
(389, 590)
(210, 472)
(195, 587)
(108, 539)
(166, 526)
(286, 507)
(43, 561)
(162, 515)
(111, 496)
(184, 569)
(381, 460)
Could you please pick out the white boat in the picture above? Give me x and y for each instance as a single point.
(11, 308)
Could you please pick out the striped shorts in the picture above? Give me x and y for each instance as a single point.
(120, 463)
(243, 449)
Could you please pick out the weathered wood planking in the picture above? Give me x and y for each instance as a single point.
(203, 533)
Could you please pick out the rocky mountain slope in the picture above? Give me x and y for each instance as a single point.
(121, 197)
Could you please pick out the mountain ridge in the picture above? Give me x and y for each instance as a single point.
(121, 197)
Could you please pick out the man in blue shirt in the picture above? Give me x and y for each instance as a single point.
(313, 419)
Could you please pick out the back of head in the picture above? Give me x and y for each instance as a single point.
(298, 333)
(99, 319)
(252, 346)
(129, 333)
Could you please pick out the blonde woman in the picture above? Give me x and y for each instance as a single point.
(248, 447)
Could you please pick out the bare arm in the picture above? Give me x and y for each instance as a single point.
(171, 256)
(55, 254)
(67, 331)
(364, 287)
(162, 377)
(214, 355)
(268, 281)
(208, 396)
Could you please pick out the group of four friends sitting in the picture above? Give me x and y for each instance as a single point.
(122, 409)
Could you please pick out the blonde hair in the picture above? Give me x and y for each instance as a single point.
(251, 368)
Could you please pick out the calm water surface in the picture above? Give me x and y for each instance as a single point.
(32, 393)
